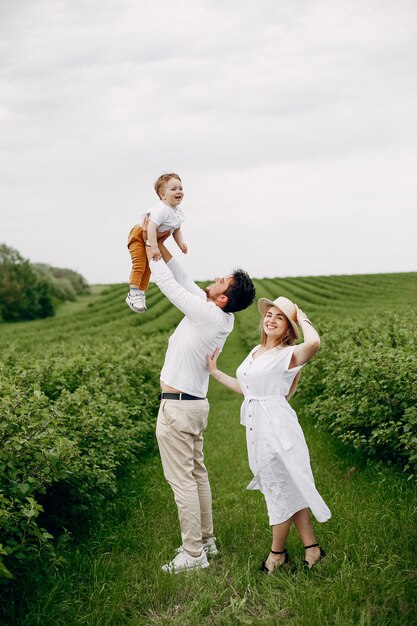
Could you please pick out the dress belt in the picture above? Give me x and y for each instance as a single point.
(177, 396)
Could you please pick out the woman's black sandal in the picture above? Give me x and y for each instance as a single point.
(322, 554)
(286, 560)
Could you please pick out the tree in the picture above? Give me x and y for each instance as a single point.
(19, 295)
(30, 291)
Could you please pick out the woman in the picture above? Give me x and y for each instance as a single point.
(278, 454)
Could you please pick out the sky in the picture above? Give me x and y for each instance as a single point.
(292, 123)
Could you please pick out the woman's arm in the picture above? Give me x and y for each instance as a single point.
(303, 352)
(228, 381)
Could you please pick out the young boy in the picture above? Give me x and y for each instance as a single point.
(166, 215)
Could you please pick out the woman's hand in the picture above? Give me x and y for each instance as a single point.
(184, 248)
(301, 316)
(221, 377)
(212, 361)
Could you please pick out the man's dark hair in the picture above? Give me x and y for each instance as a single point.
(240, 293)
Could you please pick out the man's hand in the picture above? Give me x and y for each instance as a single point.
(156, 255)
(160, 236)
(145, 223)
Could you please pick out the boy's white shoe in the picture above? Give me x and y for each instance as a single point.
(209, 547)
(136, 301)
(184, 561)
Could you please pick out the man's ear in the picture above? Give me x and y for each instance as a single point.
(222, 300)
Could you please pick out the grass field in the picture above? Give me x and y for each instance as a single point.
(109, 573)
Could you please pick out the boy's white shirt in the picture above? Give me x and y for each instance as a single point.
(204, 327)
(165, 217)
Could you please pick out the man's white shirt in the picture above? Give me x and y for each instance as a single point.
(204, 327)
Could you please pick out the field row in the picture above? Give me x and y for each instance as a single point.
(78, 391)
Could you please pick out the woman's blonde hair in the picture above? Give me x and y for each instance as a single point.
(163, 180)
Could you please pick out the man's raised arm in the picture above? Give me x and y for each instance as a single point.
(177, 270)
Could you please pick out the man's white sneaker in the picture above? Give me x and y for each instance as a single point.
(136, 302)
(209, 547)
(184, 561)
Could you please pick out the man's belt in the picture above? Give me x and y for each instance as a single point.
(177, 396)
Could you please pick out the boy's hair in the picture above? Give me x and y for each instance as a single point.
(162, 181)
(240, 293)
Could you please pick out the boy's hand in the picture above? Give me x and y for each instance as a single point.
(184, 248)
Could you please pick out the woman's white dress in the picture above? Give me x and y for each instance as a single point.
(278, 453)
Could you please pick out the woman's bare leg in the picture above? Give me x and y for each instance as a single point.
(304, 527)
(279, 537)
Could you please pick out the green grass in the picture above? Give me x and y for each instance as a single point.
(111, 574)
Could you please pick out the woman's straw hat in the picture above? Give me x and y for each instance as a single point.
(286, 306)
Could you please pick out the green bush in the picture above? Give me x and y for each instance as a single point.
(32, 291)
(23, 294)
(69, 422)
(361, 387)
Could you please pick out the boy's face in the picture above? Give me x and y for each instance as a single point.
(172, 193)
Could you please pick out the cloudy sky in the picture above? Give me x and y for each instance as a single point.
(292, 123)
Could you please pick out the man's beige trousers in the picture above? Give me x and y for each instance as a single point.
(179, 431)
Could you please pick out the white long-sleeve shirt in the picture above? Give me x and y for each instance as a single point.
(204, 327)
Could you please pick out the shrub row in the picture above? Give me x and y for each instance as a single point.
(69, 421)
(361, 387)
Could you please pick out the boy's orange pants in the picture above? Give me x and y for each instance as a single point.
(140, 273)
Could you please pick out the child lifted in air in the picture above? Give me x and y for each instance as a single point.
(165, 215)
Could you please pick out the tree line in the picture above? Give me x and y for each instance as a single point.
(31, 291)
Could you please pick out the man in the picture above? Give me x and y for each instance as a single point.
(183, 412)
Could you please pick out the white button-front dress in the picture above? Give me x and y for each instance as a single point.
(277, 450)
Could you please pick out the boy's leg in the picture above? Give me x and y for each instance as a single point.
(137, 250)
(145, 277)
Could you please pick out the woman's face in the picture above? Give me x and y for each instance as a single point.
(275, 323)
